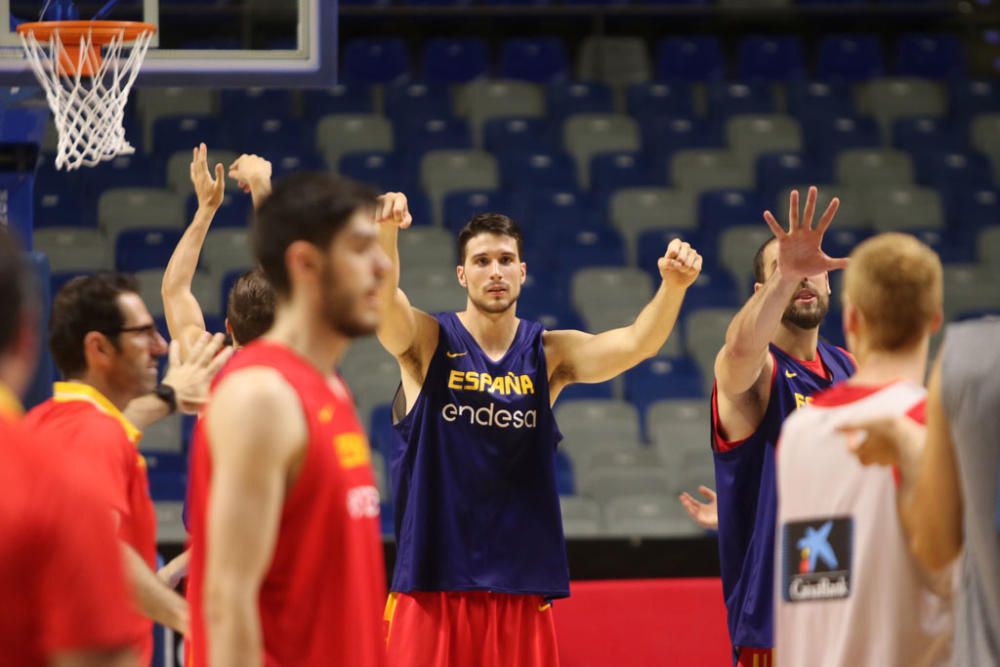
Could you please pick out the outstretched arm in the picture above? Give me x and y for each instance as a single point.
(185, 320)
(258, 433)
(744, 357)
(575, 356)
(930, 493)
(404, 331)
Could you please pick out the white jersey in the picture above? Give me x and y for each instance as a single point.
(848, 592)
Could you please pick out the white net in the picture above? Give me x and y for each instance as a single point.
(89, 110)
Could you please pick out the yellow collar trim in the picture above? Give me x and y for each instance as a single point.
(10, 406)
(66, 392)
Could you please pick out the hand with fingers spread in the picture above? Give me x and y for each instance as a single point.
(191, 378)
(799, 249)
(210, 191)
(392, 207)
(705, 514)
(680, 265)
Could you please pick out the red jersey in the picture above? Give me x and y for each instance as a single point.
(322, 597)
(61, 577)
(82, 427)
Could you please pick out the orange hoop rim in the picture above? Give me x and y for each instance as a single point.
(100, 32)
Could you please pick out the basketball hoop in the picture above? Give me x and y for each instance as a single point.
(87, 89)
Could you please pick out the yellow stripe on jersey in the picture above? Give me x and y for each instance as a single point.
(390, 613)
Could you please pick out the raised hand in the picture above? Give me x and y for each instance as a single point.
(680, 265)
(705, 515)
(799, 249)
(210, 190)
(250, 171)
(192, 377)
(392, 207)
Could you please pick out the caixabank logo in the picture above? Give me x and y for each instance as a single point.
(817, 559)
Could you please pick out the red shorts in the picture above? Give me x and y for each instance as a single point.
(756, 657)
(469, 628)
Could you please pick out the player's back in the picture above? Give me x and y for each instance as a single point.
(322, 597)
(848, 591)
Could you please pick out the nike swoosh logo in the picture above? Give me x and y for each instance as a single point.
(789, 374)
(453, 355)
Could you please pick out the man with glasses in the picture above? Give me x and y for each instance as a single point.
(106, 346)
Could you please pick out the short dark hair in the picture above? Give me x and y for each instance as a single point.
(489, 223)
(251, 306)
(15, 285)
(307, 206)
(85, 304)
(758, 261)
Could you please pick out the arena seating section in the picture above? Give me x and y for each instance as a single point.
(602, 158)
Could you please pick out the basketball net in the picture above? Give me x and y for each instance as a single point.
(87, 89)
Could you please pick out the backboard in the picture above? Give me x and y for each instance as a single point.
(219, 43)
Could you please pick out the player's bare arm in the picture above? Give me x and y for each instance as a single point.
(930, 494)
(258, 435)
(96, 658)
(189, 377)
(154, 598)
(252, 174)
(185, 320)
(407, 333)
(575, 356)
(705, 514)
(743, 366)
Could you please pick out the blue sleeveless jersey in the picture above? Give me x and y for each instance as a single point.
(747, 499)
(473, 472)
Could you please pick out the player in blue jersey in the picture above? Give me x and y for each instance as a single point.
(772, 362)
(481, 551)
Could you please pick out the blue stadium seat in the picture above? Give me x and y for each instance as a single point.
(622, 169)
(460, 207)
(539, 59)
(567, 98)
(665, 135)
(421, 135)
(519, 135)
(730, 99)
(342, 98)
(924, 133)
(417, 99)
(286, 162)
(825, 137)
(697, 58)
(375, 60)
(537, 171)
(932, 56)
(974, 96)
(720, 209)
(178, 133)
(950, 250)
(840, 242)
(850, 57)
(832, 326)
(587, 392)
(712, 289)
(55, 207)
(455, 60)
(596, 246)
(269, 135)
(662, 378)
(384, 170)
(552, 317)
(660, 99)
(140, 249)
(552, 212)
(420, 207)
(234, 212)
(778, 171)
(258, 102)
(771, 58)
(973, 208)
(125, 171)
(380, 428)
(809, 100)
(167, 485)
(953, 170)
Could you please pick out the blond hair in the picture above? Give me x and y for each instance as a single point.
(895, 281)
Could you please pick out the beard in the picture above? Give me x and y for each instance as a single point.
(492, 306)
(806, 316)
(343, 311)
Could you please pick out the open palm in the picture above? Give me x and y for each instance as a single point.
(800, 251)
